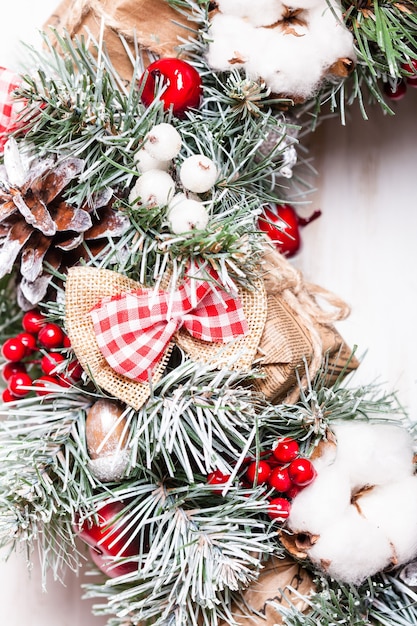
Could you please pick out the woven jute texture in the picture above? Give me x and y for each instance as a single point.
(282, 582)
(298, 332)
(86, 286)
(152, 23)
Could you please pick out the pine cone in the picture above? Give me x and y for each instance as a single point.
(38, 227)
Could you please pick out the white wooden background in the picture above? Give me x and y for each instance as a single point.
(364, 248)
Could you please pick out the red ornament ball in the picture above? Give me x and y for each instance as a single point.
(13, 350)
(51, 336)
(281, 226)
(178, 82)
(258, 472)
(302, 472)
(285, 450)
(279, 508)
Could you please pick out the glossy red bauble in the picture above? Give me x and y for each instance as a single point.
(19, 384)
(13, 350)
(108, 540)
(176, 80)
(279, 508)
(33, 321)
(51, 336)
(285, 450)
(302, 472)
(257, 473)
(280, 480)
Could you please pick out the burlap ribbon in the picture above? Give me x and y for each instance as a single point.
(152, 23)
(87, 286)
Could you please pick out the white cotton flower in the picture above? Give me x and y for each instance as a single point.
(230, 42)
(144, 162)
(163, 142)
(153, 188)
(259, 13)
(321, 503)
(392, 508)
(332, 39)
(352, 548)
(198, 173)
(374, 453)
(186, 214)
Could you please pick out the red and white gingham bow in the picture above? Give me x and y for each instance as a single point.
(134, 329)
(10, 108)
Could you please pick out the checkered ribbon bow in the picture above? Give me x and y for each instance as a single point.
(134, 329)
(10, 108)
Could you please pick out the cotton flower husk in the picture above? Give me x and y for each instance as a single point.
(374, 453)
(352, 549)
(153, 188)
(392, 508)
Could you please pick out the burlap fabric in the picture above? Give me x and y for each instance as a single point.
(86, 286)
(153, 24)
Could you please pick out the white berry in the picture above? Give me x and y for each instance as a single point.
(186, 214)
(163, 142)
(153, 188)
(198, 173)
(144, 162)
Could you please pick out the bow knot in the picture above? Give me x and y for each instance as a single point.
(134, 329)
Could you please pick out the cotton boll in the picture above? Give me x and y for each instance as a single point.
(231, 42)
(144, 162)
(186, 214)
(392, 508)
(374, 453)
(332, 39)
(259, 13)
(163, 142)
(352, 549)
(198, 173)
(321, 503)
(153, 188)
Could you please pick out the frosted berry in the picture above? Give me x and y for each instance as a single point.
(258, 472)
(285, 450)
(51, 336)
(175, 82)
(163, 142)
(279, 508)
(302, 472)
(29, 341)
(198, 173)
(13, 350)
(153, 188)
(12, 368)
(50, 361)
(18, 383)
(186, 215)
(280, 480)
(33, 321)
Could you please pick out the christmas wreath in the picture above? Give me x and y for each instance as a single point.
(178, 414)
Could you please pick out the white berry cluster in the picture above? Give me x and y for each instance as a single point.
(359, 516)
(291, 47)
(156, 187)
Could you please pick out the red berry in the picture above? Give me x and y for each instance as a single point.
(42, 385)
(293, 492)
(12, 368)
(17, 384)
(281, 226)
(29, 341)
(411, 68)
(50, 361)
(33, 321)
(395, 92)
(178, 81)
(7, 396)
(285, 450)
(13, 350)
(302, 472)
(75, 371)
(67, 342)
(51, 336)
(258, 472)
(279, 508)
(280, 480)
(217, 478)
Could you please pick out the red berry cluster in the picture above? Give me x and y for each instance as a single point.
(398, 91)
(283, 469)
(31, 349)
